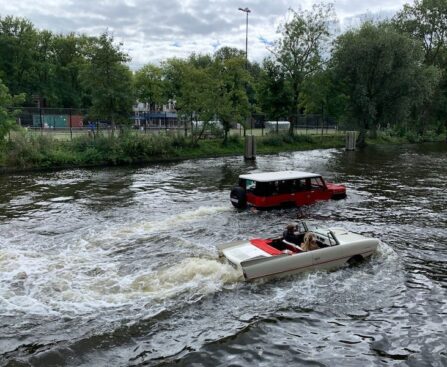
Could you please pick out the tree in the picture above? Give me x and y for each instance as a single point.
(234, 87)
(18, 45)
(231, 99)
(43, 69)
(7, 117)
(108, 80)
(69, 61)
(321, 95)
(382, 74)
(149, 86)
(226, 53)
(43, 65)
(274, 91)
(209, 87)
(193, 88)
(426, 21)
(299, 51)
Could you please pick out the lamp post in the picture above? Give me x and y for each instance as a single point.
(246, 11)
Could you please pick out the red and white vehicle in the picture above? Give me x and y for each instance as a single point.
(284, 188)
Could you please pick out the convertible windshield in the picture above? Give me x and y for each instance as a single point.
(323, 234)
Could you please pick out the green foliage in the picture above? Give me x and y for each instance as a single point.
(231, 97)
(274, 91)
(150, 86)
(275, 140)
(68, 59)
(18, 48)
(40, 64)
(209, 88)
(281, 139)
(382, 74)
(426, 22)
(7, 117)
(379, 75)
(108, 80)
(234, 140)
(27, 151)
(24, 152)
(320, 94)
(299, 50)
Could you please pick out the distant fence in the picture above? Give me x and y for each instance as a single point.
(302, 124)
(66, 123)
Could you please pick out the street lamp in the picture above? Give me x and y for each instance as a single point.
(246, 11)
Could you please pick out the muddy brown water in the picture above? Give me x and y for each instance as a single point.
(118, 267)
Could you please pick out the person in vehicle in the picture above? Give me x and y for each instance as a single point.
(290, 236)
(310, 242)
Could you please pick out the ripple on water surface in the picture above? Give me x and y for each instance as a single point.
(119, 267)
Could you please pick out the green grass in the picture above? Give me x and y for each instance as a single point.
(410, 137)
(27, 151)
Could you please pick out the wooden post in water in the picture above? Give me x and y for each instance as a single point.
(350, 140)
(250, 147)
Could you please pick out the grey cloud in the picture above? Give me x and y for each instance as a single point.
(154, 30)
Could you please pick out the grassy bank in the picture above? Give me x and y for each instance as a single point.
(34, 152)
(29, 152)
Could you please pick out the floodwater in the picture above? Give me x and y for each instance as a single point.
(118, 267)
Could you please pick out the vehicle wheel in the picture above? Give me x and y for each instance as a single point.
(355, 260)
(238, 197)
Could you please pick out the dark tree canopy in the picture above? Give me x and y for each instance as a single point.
(383, 75)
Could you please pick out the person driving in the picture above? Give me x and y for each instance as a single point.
(290, 236)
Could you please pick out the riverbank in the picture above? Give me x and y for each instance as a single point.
(42, 152)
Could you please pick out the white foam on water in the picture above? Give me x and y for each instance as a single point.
(130, 230)
(84, 276)
(80, 279)
(201, 275)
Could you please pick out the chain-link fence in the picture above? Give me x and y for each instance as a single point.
(302, 124)
(66, 124)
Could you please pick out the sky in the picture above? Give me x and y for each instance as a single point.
(152, 31)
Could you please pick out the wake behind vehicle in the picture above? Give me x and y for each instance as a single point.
(284, 188)
(275, 257)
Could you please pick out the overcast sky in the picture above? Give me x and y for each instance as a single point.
(156, 30)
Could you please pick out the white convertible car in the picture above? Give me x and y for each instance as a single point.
(274, 257)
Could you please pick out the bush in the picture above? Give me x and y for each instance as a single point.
(234, 140)
(277, 140)
(25, 152)
(274, 140)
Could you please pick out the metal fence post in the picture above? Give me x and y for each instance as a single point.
(71, 131)
(41, 121)
(166, 124)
